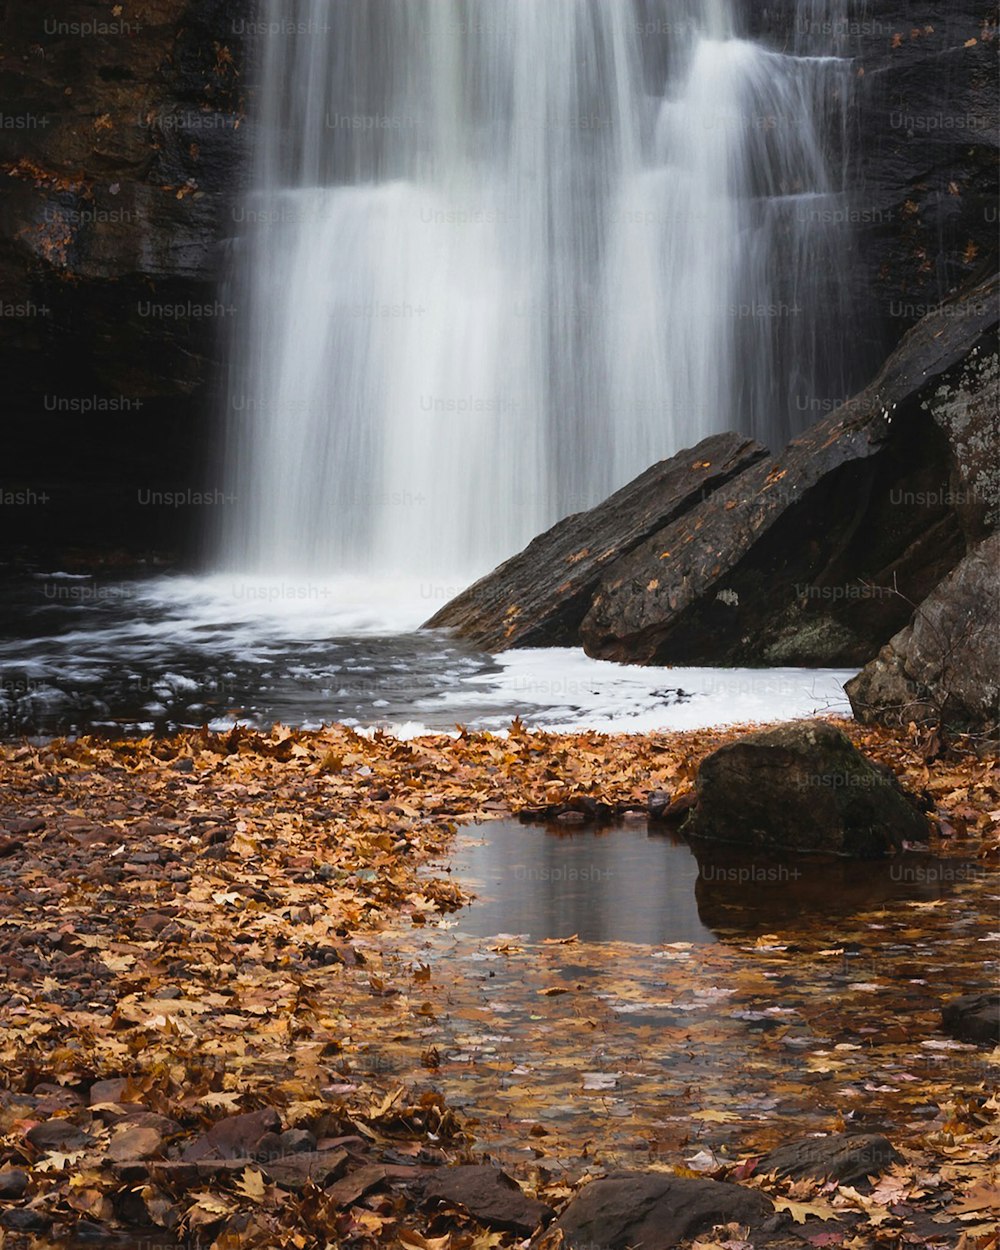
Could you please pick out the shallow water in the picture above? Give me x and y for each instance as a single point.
(83, 653)
(636, 883)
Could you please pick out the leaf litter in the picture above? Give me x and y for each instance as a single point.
(203, 931)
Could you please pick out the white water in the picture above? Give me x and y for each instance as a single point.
(504, 254)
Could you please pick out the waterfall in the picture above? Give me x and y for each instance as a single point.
(501, 255)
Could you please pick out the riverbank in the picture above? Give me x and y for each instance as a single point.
(245, 923)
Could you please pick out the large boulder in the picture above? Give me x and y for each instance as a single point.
(816, 557)
(802, 787)
(539, 597)
(655, 1210)
(943, 668)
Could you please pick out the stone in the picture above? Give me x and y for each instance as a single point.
(974, 1017)
(24, 1220)
(943, 668)
(13, 1184)
(235, 1137)
(817, 555)
(539, 597)
(26, 825)
(801, 787)
(655, 1210)
(297, 1141)
(490, 1196)
(847, 1158)
(60, 1135)
(108, 1091)
(134, 1141)
(320, 1167)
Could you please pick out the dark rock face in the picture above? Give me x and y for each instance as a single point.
(539, 597)
(802, 787)
(974, 1017)
(117, 182)
(491, 1196)
(921, 148)
(818, 555)
(943, 668)
(655, 1211)
(846, 1158)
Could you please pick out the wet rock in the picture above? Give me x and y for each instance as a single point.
(655, 1211)
(235, 1137)
(13, 1184)
(24, 1220)
(974, 1017)
(848, 1158)
(943, 668)
(58, 1135)
(802, 787)
(539, 597)
(490, 1196)
(815, 557)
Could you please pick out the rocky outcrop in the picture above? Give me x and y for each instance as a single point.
(921, 144)
(815, 556)
(539, 597)
(818, 555)
(943, 668)
(656, 1211)
(802, 787)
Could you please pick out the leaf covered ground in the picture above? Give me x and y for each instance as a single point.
(239, 923)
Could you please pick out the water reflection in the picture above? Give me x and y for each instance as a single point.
(616, 884)
(633, 883)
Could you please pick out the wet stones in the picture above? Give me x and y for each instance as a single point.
(847, 1158)
(974, 1017)
(656, 1211)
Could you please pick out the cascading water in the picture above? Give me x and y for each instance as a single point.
(503, 254)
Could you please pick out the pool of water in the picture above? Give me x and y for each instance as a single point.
(635, 883)
(94, 653)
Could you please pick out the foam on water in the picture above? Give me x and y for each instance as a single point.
(186, 651)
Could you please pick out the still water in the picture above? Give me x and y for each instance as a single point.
(636, 883)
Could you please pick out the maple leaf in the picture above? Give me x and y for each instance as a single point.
(800, 1211)
(980, 1198)
(251, 1185)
